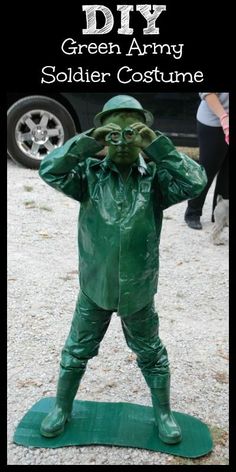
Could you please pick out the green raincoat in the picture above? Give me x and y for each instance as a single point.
(120, 222)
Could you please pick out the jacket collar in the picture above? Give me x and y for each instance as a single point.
(139, 164)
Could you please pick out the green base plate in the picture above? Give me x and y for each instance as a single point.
(116, 424)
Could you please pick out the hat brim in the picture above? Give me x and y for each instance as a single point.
(147, 115)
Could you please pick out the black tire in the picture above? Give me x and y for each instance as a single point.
(28, 138)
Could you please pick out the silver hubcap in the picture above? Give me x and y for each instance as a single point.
(38, 132)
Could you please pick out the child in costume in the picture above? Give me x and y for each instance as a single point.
(122, 198)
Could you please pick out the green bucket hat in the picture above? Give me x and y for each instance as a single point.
(122, 102)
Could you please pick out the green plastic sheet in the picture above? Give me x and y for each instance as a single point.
(116, 424)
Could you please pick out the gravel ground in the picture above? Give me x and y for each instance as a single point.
(192, 302)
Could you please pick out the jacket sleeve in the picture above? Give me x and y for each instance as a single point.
(178, 177)
(65, 169)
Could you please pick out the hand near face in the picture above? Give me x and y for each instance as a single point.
(144, 137)
(100, 133)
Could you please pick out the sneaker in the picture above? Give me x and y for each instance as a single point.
(193, 222)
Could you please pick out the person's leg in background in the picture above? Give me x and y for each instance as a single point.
(141, 330)
(212, 152)
(88, 328)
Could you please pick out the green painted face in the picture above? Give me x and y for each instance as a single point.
(124, 155)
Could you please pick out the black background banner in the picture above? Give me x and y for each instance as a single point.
(35, 42)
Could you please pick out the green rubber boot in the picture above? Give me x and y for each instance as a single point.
(169, 430)
(53, 424)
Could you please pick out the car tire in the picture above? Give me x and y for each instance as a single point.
(35, 126)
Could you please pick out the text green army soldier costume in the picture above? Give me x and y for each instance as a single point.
(122, 198)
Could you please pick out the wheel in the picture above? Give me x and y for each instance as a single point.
(35, 126)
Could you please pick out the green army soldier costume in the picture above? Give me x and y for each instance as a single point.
(122, 198)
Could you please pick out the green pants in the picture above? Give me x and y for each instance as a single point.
(89, 326)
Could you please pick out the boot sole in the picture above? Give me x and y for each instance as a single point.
(170, 440)
(52, 434)
(193, 224)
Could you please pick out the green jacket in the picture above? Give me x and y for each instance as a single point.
(120, 222)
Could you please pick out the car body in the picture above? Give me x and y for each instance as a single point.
(38, 123)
